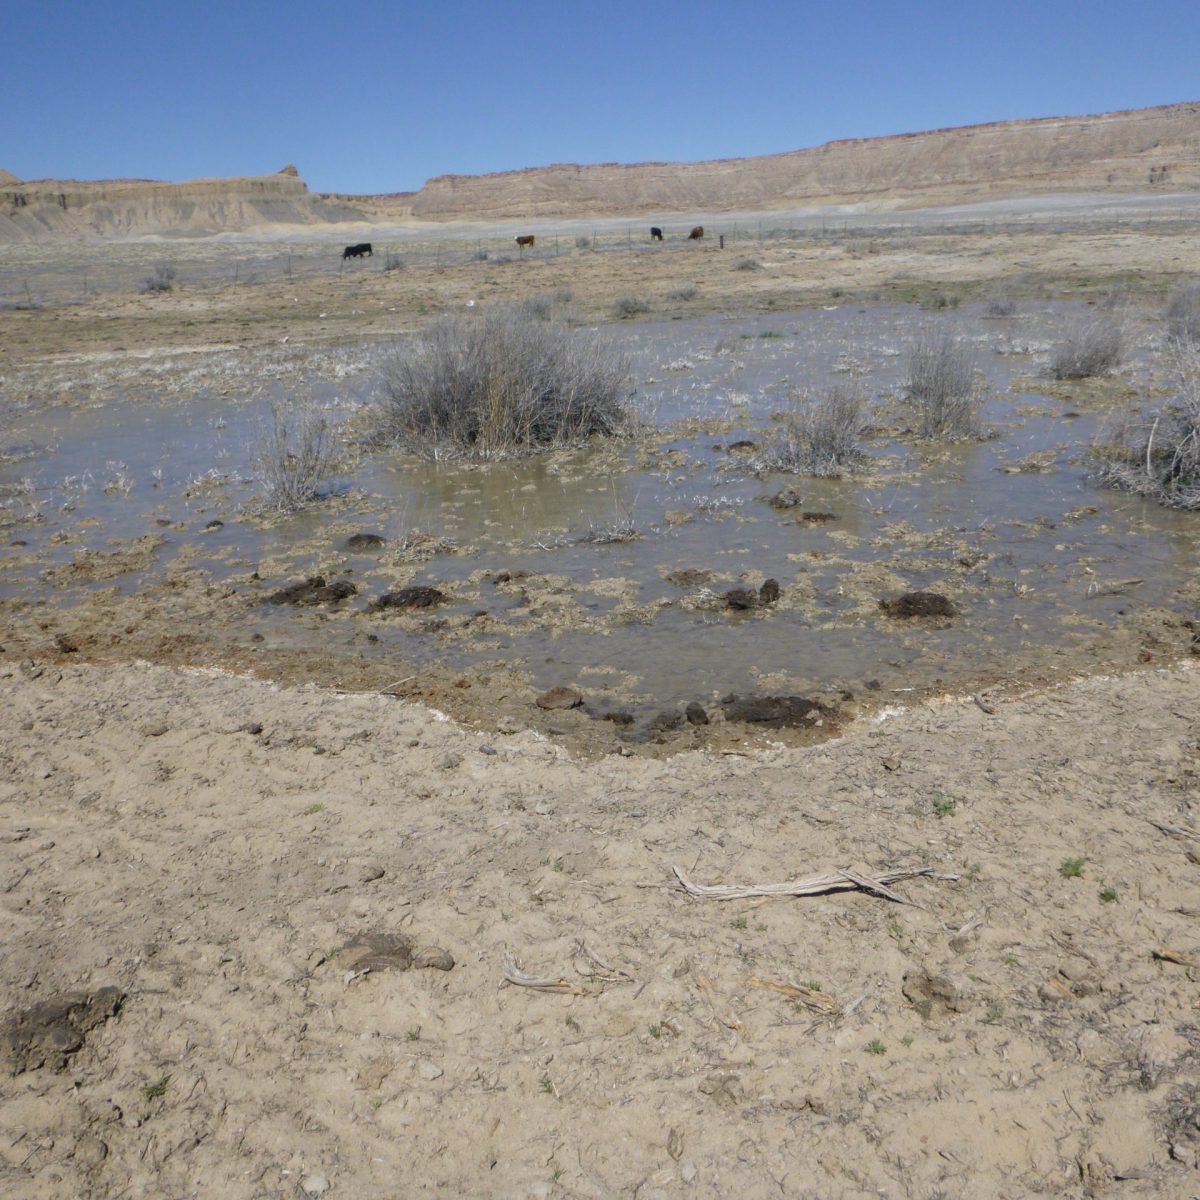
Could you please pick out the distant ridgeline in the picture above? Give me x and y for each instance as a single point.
(1136, 150)
(132, 207)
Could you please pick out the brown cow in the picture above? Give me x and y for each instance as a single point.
(524, 240)
(696, 234)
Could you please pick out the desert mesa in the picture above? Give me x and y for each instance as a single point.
(1127, 151)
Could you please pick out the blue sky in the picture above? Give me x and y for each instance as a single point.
(374, 97)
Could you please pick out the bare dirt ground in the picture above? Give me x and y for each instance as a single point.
(368, 303)
(217, 850)
(256, 934)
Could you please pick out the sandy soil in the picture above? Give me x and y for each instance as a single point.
(210, 847)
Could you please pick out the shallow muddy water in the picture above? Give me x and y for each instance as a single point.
(1049, 573)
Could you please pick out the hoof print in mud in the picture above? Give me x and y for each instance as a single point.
(559, 698)
(313, 590)
(365, 541)
(49, 1032)
(919, 604)
(777, 712)
(417, 596)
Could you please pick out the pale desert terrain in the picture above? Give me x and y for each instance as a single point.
(289, 915)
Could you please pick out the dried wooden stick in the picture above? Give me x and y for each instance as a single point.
(809, 997)
(1179, 831)
(814, 885)
(514, 974)
(615, 974)
(729, 1020)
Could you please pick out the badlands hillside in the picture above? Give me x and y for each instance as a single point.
(122, 208)
(1134, 150)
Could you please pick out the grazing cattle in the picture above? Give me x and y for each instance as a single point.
(655, 233)
(358, 251)
(526, 239)
(696, 234)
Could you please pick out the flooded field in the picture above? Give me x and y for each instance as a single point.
(620, 571)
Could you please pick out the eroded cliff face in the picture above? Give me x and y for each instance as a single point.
(136, 207)
(1138, 149)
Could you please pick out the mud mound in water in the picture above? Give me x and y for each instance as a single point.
(313, 590)
(416, 596)
(919, 604)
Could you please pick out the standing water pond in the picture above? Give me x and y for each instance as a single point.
(630, 574)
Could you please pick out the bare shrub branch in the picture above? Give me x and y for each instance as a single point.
(501, 384)
(942, 388)
(293, 456)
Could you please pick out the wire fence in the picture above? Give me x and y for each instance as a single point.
(36, 275)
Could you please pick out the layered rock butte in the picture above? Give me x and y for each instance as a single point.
(1133, 150)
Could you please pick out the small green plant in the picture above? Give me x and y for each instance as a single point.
(813, 985)
(993, 1014)
(740, 923)
(907, 1039)
(547, 1085)
(414, 1034)
(312, 810)
(944, 806)
(655, 1031)
(1108, 895)
(152, 1091)
(875, 1046)
(972, 872)
(571, 1023)
(760, 928)
(1072, 868)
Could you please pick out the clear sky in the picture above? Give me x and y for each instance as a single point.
(365, 96)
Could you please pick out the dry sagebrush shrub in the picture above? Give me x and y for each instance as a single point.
(500, 384)
(819, 435)
(942, 388)
(293, 456)
(1092, 346)
(1159, 455)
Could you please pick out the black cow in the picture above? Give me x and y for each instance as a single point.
(655, 233)
(358, 251)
